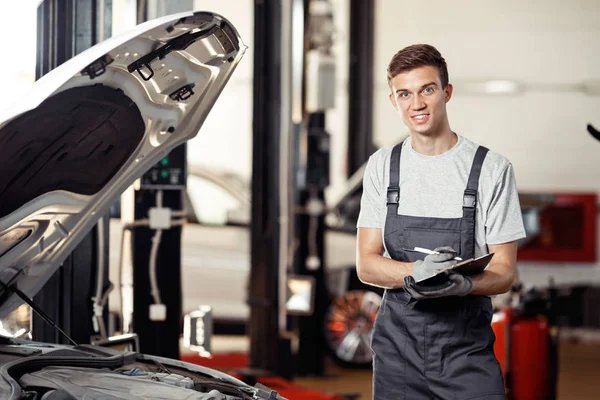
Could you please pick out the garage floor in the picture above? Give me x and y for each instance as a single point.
(579, 376)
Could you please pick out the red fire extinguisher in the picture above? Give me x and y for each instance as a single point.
(526, 347)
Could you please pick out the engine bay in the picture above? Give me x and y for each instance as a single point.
(126, 383)
(35, 371)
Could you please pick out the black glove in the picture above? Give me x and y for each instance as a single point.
(434, 263)
(455, 285)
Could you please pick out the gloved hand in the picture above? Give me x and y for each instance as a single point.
(434, 263)
(456, 285)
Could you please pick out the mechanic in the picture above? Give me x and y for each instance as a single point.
(440, 191)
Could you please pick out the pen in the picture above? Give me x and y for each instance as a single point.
(427, 251)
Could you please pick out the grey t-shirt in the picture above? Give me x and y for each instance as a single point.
(433, 186)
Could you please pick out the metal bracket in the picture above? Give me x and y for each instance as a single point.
(98, 67)
(183, 93)
(149, 68)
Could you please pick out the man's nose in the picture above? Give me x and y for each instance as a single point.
(418, 103)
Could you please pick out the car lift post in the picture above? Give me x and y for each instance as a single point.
(287, 188)
(312, 154)
(310, 256)
(161, 336)
(269, 352)
(360, 91)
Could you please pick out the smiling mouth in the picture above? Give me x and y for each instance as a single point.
(420, 117)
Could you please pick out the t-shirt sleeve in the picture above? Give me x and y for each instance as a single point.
(372, 207)
(504, 220)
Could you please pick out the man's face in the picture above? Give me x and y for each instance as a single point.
(418, 95)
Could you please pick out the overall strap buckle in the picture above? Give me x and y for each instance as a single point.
(470, 198)
(393, 195)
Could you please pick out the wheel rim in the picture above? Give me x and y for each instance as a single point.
(349, 325)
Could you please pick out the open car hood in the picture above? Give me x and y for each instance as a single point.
(89, 128)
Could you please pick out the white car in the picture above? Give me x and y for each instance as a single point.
(70, 147)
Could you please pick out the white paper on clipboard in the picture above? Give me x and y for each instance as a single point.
(472, 266)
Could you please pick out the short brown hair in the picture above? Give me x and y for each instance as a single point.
(415, 56)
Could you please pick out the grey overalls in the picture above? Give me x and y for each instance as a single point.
(435, 348)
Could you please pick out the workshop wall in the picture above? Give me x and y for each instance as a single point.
(18, 75)
(124, 16)
(549, 47)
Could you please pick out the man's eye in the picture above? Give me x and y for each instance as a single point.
(428, 90)
(404, 95)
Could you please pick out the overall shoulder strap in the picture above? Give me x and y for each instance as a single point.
(469, 220)
(393, 190)
(470, 195)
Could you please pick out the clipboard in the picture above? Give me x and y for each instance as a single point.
(472, 266)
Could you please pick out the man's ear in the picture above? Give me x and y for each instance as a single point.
(393, 101)
(449, 89)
